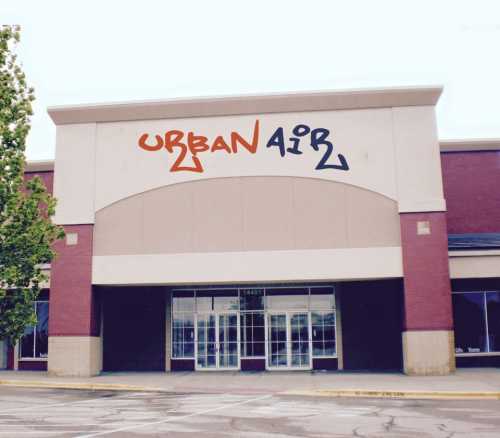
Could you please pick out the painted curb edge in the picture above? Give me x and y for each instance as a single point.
(353, 393)
(400, 394)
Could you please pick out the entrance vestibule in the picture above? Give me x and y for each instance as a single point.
(281, 327)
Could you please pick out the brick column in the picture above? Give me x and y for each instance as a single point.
(74, 329)
(428, 342)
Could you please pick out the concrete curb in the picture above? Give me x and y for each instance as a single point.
(81, 386)
(334, 393)
(415, 395)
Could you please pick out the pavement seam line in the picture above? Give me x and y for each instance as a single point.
(181, 417)
(9, 411)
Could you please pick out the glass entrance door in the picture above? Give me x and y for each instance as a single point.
(217, 343)
(288, 341)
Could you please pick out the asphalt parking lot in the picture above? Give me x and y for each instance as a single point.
(28, 412)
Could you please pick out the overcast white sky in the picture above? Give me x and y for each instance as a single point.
(83, 51)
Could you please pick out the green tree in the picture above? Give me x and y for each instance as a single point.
(26, 231)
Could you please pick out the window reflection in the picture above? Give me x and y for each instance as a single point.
(35, 340)
(477, 322)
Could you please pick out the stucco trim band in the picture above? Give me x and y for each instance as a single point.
(471, 145)
(251, 266)
(477, 266)
(247, 104)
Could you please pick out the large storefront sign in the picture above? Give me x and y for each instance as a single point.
(352, 147)
(191, 146)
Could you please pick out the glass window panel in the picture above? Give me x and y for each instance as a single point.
(252, 332)
(189, 320)
(304, 333)
(329, 332)
(318, 348)
(304, 347)
(188, 334)
(27, 344)
(183, 301)
(189, 349)
(470, 323)
(329, 348)
(251, 299)
(323, 335)
(226, 300)
(493, 307)
(258, 319)
(177, 349)
(259, 349)
(322, 298)
(278, 299)
(316, 319)
(182, 334)
(204, 304)
(42, 329)
(317, 333)
(329, 319)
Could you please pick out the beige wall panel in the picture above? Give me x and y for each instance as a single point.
(419, 185)
(475, 266)
(427, 353)
(121, 227)
(319, 216)
(218, 215)
(74, 174)
(267, 213)
(246, 214)
(79, 356)
(168, 220)
(249, 266)
(371, 220)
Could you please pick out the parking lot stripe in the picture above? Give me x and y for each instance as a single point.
(9, 411)
(181, 417)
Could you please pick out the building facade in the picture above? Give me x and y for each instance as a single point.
(327, 230)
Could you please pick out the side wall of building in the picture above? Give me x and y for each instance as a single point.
(471, 180)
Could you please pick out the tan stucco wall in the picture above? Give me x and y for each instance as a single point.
(99, 163)
(79, 356)
(247, 214)
(475, 264)
(74, 174)
(429, 352)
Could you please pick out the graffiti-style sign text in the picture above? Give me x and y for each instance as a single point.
(191, 145)
(317, 138)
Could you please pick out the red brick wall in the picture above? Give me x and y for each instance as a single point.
(47, 178)
(72, 305)
(471, 182)
(427, 296)
(10, 358)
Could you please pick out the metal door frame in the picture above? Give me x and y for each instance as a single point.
(217, 341)
(288, 342)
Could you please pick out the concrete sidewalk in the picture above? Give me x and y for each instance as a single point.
(465, 383)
